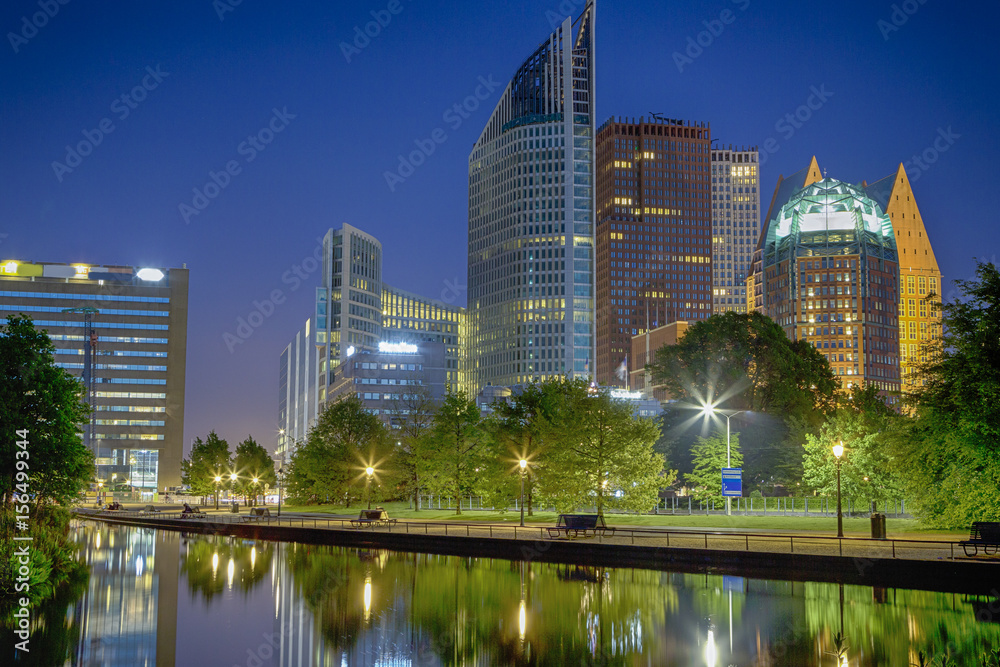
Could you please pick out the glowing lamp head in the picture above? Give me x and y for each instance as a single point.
(838, 450)
(707, 410)
(523, 464)
(152, 275)
(232, 476)
(370, 471)
(254, 480)
(218, 479)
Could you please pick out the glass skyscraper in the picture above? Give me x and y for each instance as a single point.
(531, 219)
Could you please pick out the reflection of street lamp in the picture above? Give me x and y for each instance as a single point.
(218, 480)
(369, 471)
(709, 410)
(524, 466)
(838, 451)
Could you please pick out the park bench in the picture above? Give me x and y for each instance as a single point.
(375, 517)
(573, 525)
(193, 514)
(985, 534)
(257, 513)
(150, 509)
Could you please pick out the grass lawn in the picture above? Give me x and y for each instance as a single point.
(858, 527)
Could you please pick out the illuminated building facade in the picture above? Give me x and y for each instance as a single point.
(135, 353)
(920, 282)
(654, 233)
(735, 225)
(830, 276)
(356, 313)
(644, 348)
(531, 218)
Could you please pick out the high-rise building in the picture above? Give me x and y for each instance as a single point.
(735, 225)
(123, 331)
(531, 218)
(830, 275)
(654, 232)
(920, 281)
(356, 314)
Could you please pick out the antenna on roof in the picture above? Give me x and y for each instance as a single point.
(657, 116)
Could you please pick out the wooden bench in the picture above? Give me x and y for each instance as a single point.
(194, 514)
(985, 534)
(257, 513)
(375, 517)
(150, 509)
(575, 525)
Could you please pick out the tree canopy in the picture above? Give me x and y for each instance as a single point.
(45, 403)
(209, 458)
(253, 461)
(950, 454)
(453, 447)
(747, 361)
(709, 458)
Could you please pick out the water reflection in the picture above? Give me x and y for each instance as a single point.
(164, 598)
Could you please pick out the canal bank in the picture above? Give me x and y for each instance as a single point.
(849, 561)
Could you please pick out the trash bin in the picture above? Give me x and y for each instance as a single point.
(878, 526)
(235, 509)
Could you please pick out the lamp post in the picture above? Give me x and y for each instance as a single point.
(369, 471)
(255, 479)
(100, 492)
(838, 451)
(280, 474)
(232, 481)
(524, 466)
(218, 480)
(709, 410)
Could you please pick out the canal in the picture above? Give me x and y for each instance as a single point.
(158, 597)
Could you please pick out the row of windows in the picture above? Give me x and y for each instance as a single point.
(86, 297)
(104, 311)
(130, 408)
(114, 353)
(96, 325)
(112, 339)
(130, 436)
(387, 381)
(129, 381)
(127, 394)
(129, 422)
(112, 367)
(374, 366)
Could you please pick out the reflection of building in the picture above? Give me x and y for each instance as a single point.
(128, 614)
(654, 232)
(644, 347)
(531, 217)
(829, 272)
(135, 355)
(355, 313)
(735, 225)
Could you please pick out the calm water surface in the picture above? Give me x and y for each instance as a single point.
(164, 598)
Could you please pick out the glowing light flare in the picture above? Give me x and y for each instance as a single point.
(368, 597)
(138, 566)
(369, 471)
(523, 463)
(152, 275)
(522, 620)
(253, 557)
(230, 571)
(711, 652)
(215, 563)
(838, 450)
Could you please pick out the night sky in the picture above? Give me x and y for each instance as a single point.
(888, 82)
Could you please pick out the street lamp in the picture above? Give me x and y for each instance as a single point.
(369, 471)
(524, 467)
(280, 485)
(255, 491)
(218, 480)
(838, 451)
(232, 481)
(710, 410)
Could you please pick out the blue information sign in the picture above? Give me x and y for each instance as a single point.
(732, 482)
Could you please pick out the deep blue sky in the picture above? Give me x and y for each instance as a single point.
(890, 97)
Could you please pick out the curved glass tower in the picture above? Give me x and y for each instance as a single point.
(531, 218)
(831, 277)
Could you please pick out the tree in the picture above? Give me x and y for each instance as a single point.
(950, 453)
(452, 447)
(865, 425)
(209, 459)
(331, 464)
(750, 361)
(412, 415)
(45, 404)
(600, 453)
(253, 461)
(709, 458)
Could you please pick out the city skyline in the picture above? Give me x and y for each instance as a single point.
(329, 123)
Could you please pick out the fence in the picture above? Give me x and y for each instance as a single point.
(786, 506)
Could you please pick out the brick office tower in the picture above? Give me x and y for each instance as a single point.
(654, 232)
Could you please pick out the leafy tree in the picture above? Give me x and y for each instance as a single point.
(253, 461)
(331, 464)
(748, 359)
(600, 453)
(209, 458)
(412, 415)
(950, 454)
(709, 456)
(44, 400)
(865, 425)
(452, 448)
